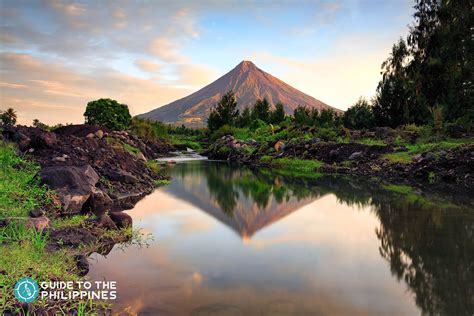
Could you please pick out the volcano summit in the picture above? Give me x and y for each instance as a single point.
(249, 84)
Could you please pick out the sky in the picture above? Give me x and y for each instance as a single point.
(55, 56)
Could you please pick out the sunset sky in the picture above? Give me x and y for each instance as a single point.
(55, 56)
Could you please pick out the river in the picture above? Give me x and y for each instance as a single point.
(232, 241)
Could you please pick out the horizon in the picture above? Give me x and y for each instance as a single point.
(56, 56)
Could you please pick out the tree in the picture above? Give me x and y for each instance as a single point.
(278, 115)
(245, 118)
(261, 110)
(359, 116)
(302, 116)
(224, 113)
(40, 125)
(8, 117)
(326, 118)
(108, 113)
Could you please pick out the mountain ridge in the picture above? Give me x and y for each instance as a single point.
(248, 82)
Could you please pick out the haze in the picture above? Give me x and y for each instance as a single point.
(56, 56)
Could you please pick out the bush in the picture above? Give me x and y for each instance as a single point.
(148, 129)
(223, 131)
(359, 116)
(108, 113)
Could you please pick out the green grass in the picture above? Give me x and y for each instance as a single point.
(371, 142)
(188, 141)
(159, 183)
(297, 164)
(154, 165)
(402, 189)
(406, 157)
(118, 144)
(20, 191)
(23, 249)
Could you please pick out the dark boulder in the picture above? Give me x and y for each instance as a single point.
(121, 219)
(73, 184)
(105, 222)
(44, 140)
(22, 140)
(98, 203)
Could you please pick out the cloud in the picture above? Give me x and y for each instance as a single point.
(195, 75)
(147, 65)
(165, 49)
(55, 93)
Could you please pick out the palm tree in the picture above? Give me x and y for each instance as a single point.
(8, 117)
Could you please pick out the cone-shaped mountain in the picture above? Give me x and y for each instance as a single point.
(249, 84)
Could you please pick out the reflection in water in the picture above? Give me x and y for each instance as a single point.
(329, 257)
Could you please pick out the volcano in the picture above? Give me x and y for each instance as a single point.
(249, 84)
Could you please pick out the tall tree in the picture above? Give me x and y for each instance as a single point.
(224, 113)
(359, 116)
(261, 110)
(278, 114)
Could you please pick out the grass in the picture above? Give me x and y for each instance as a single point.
(371, 142)
(117, 144)
(402, 189)
(162, 182)
(22, 249)
(405, 157)
(154, 165)
(20, 191)
(299, 165)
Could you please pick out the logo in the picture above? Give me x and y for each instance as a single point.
(26, 290)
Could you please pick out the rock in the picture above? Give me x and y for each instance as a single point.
(31, 150)
(73, 184)
(384, 132)
(429, 156)
(82, 264)
(417, 158)
(90, 135)
(123, 176)
(4, 222)
(22, 140)
(98, 203)
(141, 157)
(99, 134)
(279, 146)
(39, 223)
(121, 219)
(59, 159)
(333, 154)
(356, 155)
(36, 213)
(104, 221)
(44, 140)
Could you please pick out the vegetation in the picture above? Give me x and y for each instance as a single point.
(23, 249)
(8, 117)
(108, 113)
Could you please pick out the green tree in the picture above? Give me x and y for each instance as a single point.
(302, 116)
(261, 110)
(8, 117)
(359, 116)
(326, 118)
(38, 124)
(108, 113)
(278, 114)
(224, 113)
(245, 119)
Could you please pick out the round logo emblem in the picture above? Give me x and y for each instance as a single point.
(26, 290)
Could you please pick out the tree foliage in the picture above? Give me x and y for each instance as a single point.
(359, 116)
(224, 113)
(8, 117)
(432, 68)
(278, 114)
(108, 113)
(261, 110)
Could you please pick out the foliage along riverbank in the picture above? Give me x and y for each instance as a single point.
(62, 199)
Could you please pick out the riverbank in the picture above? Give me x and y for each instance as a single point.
(63, 194)
(448, 163)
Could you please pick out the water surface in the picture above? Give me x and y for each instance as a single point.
(231, 241)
